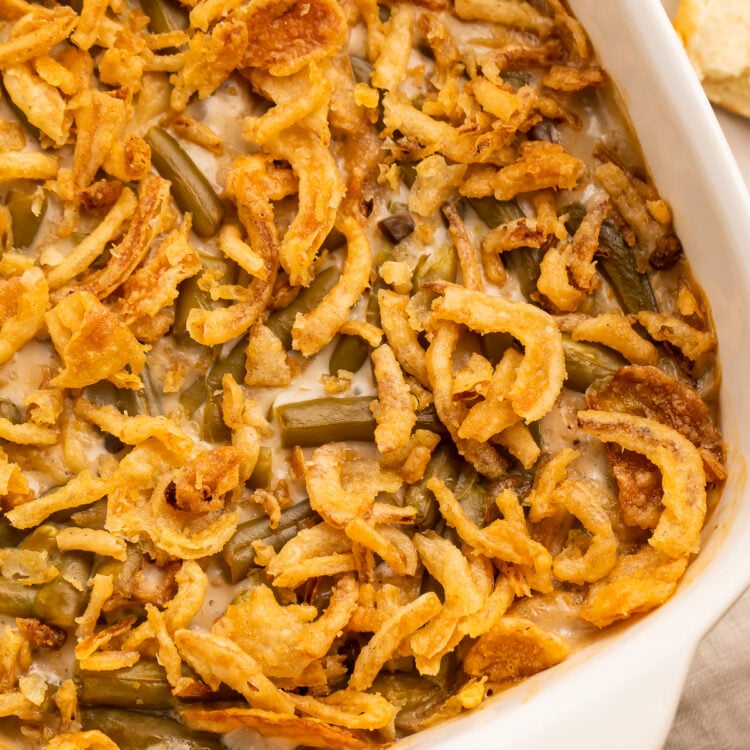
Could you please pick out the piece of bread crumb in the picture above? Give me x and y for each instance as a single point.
(716, 35)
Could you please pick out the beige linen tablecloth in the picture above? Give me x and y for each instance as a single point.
(714, 712)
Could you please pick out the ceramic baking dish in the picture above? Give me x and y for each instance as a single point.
(622, 692)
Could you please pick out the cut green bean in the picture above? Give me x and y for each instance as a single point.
(192, 296)
(16, 600)
(494, 212)
(27, 212)
(281, 321)
(142, 401)
(191, 190)
(101, 393)
(164, 16)
(263, 471)
(63, 599)
(444, 464)
(213, 428)
(144, 685)
(9, 535)
(351, 352)
(417, 697)
(361, 69)
(10, 411)
(440, 265)
(324, 420)
(633, 288)
(238, 553)
(131, 730)
(586, 362)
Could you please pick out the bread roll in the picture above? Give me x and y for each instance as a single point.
(716, 35)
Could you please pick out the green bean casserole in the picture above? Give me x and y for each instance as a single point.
(351, 370)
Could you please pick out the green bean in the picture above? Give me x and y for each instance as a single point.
(131, 730)
(329, 419)
(494, 212)
(439, 265)
(9, 535)
(42, 539)
(142, 401)
(10, 411)
(281, 321)
(361, 69)
(351, 352)
(26, 214)
(587, 362)
(16, 600)
(522, 262)
(192, 296)
(238, 554)
(18, 113)
(191, 190)
(63, 599)
(213, 428)
(163, 16)
(408, 172)
(194, 395)
(416, 696)
(444, 464)
(262, 473)
(632, 288)
(494, 345)
(144, 685)
(101, 393)
(92, 517)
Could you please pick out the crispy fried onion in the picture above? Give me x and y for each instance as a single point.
(153, 215)
(514, 648)
(495, 413)
(681, 466)
(285, 640)
(462, 597)
(504, 539)
(539, 165)
(647, 391)
(588, 557)
(320, 192)
(314, 329)
(342, 488)
(638, 583)
(319, 551)
(135, 429)
(348, 708)
(308, 730)
(154, 286)
(210, 59)
(395, 409)
(81, 490)
(245, 183)
(632, 206)
(383, 644)
(540, 376)
(23, 302)
(402, 338)
(92, 246)
(93, 343)
(615, 330)
(285, 35)
(302, 97)
(506, 12)
(93, 739)
(452, 412)
(218, 659)
(690, 341)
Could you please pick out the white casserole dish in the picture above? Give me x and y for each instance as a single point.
(622, 692)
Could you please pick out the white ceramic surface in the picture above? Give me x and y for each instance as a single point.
(621, 693)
